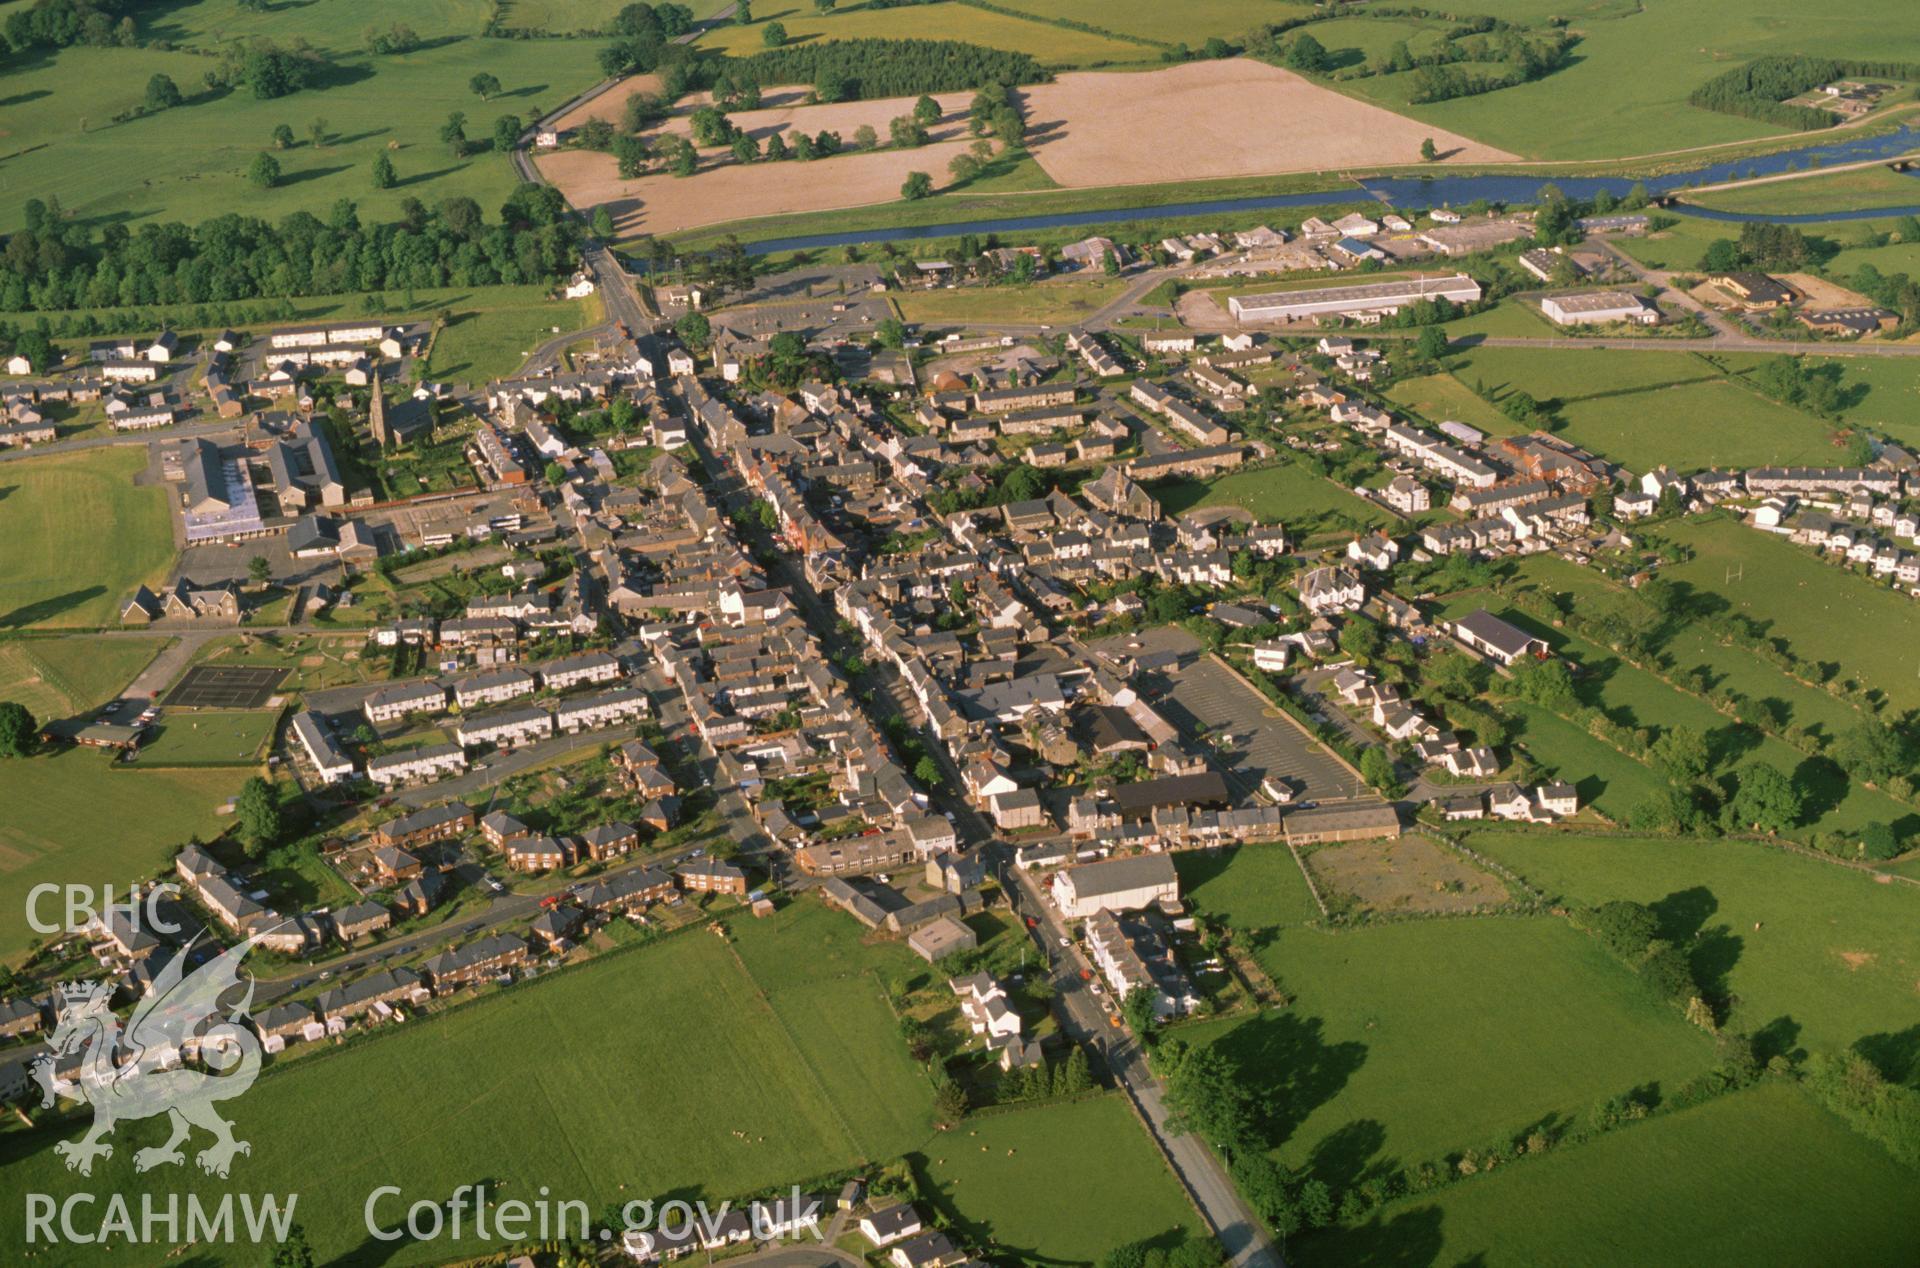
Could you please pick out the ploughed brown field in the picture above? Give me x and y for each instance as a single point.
(1192, 122)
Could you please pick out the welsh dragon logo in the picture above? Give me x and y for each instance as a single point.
(139, 1075)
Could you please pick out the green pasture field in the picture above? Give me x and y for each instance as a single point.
(1285, 493)
(1512, 318)
(1052, 303)
(1682, 639)
(210, 737)
(1442, 398)
(662, 1069)
(1705, 1186)
(58, 678)
(1636, 698)
(1695, 425)
(1822, 610)
(70, 818)
(1058, 1184)
(1680, 246)
(1354, 42)
(1189, 24)
(1251, 887)
(1408, 1041)
(1568, 374)
(65, 144)
(1642, 61)
(490, 342)
(559, 16)
(1814, 954)
(1857, 249)
(1887, 388)
(55, 510)
(1051, 45)
(1815, 191)
(1607, 779)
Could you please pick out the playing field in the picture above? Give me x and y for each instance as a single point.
(663, 1070)
(1825, 613)
(1051, 303)
(66, 144)
(1407, 1041)
(54, 513)
(1763, 1176)
(58, 678)
(1816, 955)
(1285, 494)
(210, 737)
(490, 341)
(70, 818)
(1057, 1184)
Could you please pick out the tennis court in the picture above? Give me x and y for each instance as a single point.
(226, 687)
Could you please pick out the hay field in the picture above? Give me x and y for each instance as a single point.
(1191, 122)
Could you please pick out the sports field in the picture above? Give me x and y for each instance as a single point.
(490, 341)
(1407, 1041)
(1763, 1176)
(1825, 613)
(55, 510)
(1057, 1184)
(210, 737)
(1051, 303)
(1285, 494)
(58, 678)
(1818, 955)
(70, 818)
(66, 144)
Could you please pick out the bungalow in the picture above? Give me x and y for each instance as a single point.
(889, 1224)
(1498, 640)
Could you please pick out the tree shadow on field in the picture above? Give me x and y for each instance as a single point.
(1822, 785)
(1409, 1239)
(1349, 1154)
(1778, 1038)
(23, 98)
(1711, 952)
(1287, 1058)
(7, 491)
(47, 609)
(310, 174)
(1896, 1056)
(422, 178)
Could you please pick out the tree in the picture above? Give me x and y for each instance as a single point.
(1681, 752)
(927, 771)
(259, 569)
(506, 132)
(891, 333)
(694, 330)
(555, 473)
(454, 132)
(294, 1251)
(963, 168)
(1076, 1075)
(257, 810)
(1428, 151)
(1139, 1010)
(1624, 927)
(743, 12)
(950, 1102)
(602, 222)
(317, 132)
(264, 171)
(745, 148)
(926, 110)
(162, 93)
(384, 177)
(774, 35)
(918, 185)
(1766, 799)
(1432, 343)
(907, 132)
(17, 729)
(1377, 769)
(484, 86)
(1210, 1099)
(282, 137)
(1877, 840)
(865, 138)
(823, 6)
(1872, 751)
(1110, 262)
(1307, 55)
(776, 148)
